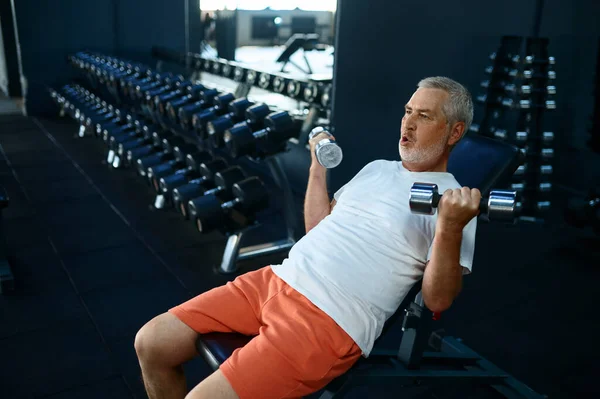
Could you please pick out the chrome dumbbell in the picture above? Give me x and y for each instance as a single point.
(500, 205)
(328, 152)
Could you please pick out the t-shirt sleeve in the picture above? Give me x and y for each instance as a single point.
(366, 169)
(467, 247)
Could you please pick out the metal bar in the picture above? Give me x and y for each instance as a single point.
(269, 248)
(230, 255)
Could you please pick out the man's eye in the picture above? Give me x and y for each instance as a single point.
(424, 116)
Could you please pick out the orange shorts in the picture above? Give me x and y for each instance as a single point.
(298, 349)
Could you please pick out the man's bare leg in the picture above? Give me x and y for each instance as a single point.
(215, 386)
(163, 345)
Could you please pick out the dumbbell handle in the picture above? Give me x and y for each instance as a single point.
(483, 204)
(215, 190)
(199, 180)
(231, 204)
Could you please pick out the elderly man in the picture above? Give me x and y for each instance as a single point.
(314, 315)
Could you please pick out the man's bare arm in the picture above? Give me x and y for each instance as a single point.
(442, 280)
(316, 203)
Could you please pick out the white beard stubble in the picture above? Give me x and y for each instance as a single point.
(418, 155)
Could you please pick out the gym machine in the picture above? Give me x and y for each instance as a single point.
(425, 355)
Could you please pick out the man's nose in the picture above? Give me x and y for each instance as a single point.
(409, 122)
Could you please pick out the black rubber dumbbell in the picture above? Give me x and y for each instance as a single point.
(196, 187)
(279, 127)
(223, 181)
(180, 151)
(220, 107)
(500, 205)
(193, 95)
(157, 135)
(144, 163)
(183, 176)
(178, 163)
(210, 213)
(237, 113)
(254, 120)
(186, 114)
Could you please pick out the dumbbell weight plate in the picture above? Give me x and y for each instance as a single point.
(156, 172)
(239, 140)
(228, 177)
(179, 178)
(185, 193)
(208, 169)
(207, 213)
(195, 159)
(257, 113)
(216, 129)
(423, 198)
(251, 194)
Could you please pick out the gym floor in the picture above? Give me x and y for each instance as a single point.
(93, 263)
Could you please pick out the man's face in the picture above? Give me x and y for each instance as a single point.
(425, 131)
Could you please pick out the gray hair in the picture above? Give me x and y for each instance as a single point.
(459, 107)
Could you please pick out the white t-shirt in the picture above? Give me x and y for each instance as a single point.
(359, 262)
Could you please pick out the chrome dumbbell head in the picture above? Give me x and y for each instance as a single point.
(501, 205)
(424, 198)
(328, 152)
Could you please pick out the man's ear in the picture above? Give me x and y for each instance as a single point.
(456, 133)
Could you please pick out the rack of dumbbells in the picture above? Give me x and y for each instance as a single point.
(519, 91)
(314, 93)
(184, 138)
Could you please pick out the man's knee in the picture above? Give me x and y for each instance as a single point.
(165, 340)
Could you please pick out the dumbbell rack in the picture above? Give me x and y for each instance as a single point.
(594, 142)
(517, 96)
(316, 91)
(234, 252)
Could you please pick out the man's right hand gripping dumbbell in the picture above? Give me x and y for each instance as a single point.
(324, 149)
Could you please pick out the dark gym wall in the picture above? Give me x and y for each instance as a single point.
(50, 31)
(11, 86)
(384, 48)
(161, 23)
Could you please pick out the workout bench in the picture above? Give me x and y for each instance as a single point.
(479, 162)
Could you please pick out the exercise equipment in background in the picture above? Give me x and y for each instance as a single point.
(517, 103)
